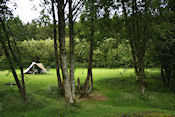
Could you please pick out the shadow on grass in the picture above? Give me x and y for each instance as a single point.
(125, 92)
(117, 83)
(148, 114)
(153, 84)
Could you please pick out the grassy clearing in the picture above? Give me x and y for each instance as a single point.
(118, 86)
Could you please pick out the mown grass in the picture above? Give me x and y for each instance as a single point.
(117, 85)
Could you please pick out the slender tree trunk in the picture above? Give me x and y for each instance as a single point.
(172, 77)
(142, 49)
(66, 80)
(19, 63)
(12, 67)
(71, 46)
(139, 47)
(132, 44)
(134, 59)
(86, 89)
(23, 83)
(89, 72)
(91, 43)
(168, 72)
(133, 52)
(162, 75)
(21, 88)
(56, 47)
(141, 75)
(140, 52)
(141, 66)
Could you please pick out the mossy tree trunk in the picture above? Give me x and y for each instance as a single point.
(68, 94)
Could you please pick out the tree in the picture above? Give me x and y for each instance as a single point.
(4, 13)
(71, 48)
(163, 52)
(63, 54)
(18, 28)
(31, 30)
(68, 79)
(55, 46)
(138, 25)
(86, 89)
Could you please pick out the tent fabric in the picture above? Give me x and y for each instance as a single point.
(39, 65)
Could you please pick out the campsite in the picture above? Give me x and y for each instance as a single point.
(35, 68)
(87, 58)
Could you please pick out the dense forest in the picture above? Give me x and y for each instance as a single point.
(39, 41)
(72, 34)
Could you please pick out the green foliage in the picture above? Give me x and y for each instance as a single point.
(165, 42)
(108, 54)
(112, 54)
(17, 28)
(81, 53)
(4, 62)
(163, 53)
(45, 32)
(29, 31)
(38, 32)
(38, 51)
(163, 34)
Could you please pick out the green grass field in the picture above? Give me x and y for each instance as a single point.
(115, 94)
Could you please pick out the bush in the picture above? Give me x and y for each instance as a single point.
(107, 54)
(37, 51)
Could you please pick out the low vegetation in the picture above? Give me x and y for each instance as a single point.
(115, 94)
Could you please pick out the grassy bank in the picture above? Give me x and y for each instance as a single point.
(115, 93)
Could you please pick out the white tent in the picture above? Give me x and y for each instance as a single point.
(35, 68)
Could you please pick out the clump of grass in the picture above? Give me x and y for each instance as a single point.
(15, 102)
(54, 92)
(0, 107)
(147, 114)
(69, 111)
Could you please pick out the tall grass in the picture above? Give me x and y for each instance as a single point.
(117, 85)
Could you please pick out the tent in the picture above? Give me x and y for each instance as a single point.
(35, 68)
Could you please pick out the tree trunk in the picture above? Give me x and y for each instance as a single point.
(141, 75)
(168, 74)
(71, 46)
(91, 43)
(21, 88)
(19, 63)
(172, 77)
(162, 75)
(132, 43)
(134, 59)
(66, 80)
(12, 67)
(56, 47)
(86, 89)
(23, 84)
(133, 52)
